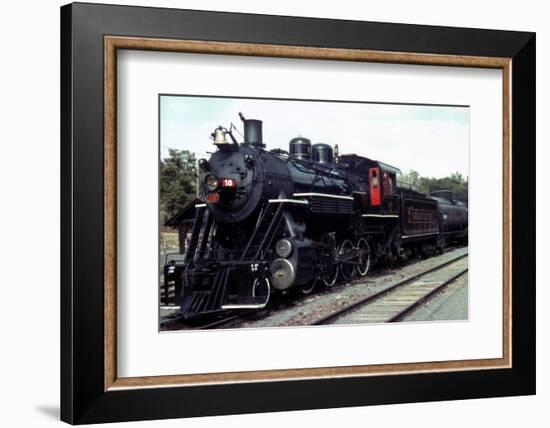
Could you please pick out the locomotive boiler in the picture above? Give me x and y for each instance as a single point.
(271, 220)
(239, 177)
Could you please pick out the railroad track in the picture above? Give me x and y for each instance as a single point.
(179, 321)
(228, 319)
(395, 302)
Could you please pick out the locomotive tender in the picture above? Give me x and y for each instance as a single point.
(272, 220)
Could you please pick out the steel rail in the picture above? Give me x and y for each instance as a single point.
(223, 321)
(427, 296)
(361, 302)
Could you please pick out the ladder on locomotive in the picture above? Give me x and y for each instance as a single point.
(199, 249)
(268, 222)
(204, 301)
(201, 235)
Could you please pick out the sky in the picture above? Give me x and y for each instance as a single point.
(432, 140)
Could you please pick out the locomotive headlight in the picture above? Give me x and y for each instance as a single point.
(211, 183)
(283, 248)
(203, 164)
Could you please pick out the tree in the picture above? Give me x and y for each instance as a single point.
(412, 177)
(454, 182)
(177, 181)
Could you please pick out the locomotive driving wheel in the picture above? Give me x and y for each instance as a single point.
(363, 262)
(328, 253)
(345, 252)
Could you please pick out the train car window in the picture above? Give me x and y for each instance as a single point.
(385, 185)
(374, 186)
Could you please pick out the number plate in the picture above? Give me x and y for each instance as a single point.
(228, 182)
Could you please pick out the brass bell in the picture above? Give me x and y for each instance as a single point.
(219, 136)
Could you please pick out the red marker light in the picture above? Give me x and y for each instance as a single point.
(228, 182)
(213, 197)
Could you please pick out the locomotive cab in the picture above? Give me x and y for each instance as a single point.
(386, 188)
(377, 184)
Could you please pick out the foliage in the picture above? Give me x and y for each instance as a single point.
(177, 182)
(455, 182)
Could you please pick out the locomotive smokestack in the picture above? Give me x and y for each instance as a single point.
(252, 131)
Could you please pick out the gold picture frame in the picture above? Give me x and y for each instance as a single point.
(114, 43)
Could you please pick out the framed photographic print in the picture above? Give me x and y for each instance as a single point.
(265, 213)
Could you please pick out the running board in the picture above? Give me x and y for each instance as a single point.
(244, 306)
(247, 303)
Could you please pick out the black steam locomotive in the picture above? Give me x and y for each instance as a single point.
(271, 220)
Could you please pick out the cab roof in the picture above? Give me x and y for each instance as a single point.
(358, 160)
(389, 168)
